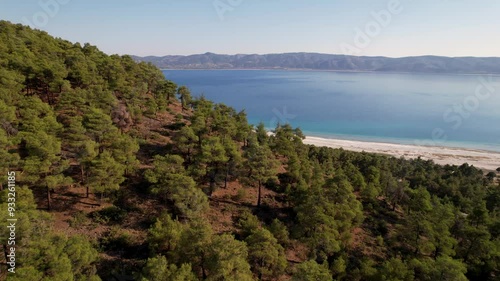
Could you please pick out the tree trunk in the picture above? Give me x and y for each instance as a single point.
(82, 174)
(261, 263)
(48, 198)
(466, 256)
(213, 177)
(203, 271)
(225, 179)
(436, 252)
(227, 175)
(88, 192)
(259, 194)
(188, 158)
(417, 247)
(212, 186)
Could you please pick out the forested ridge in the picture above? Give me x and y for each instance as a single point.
(328, 62)
(123, 175)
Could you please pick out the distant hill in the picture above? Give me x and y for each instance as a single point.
(315, 61)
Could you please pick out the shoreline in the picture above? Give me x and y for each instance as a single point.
(455, 146)
(483, 159)
(336, 71)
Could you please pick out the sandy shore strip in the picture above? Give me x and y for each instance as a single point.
(485, 160)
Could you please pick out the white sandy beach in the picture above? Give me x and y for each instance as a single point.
(486, 160)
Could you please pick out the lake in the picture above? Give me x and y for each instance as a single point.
(423, 109)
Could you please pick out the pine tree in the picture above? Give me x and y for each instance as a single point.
(444, 268)
(124, 149)
(165, 234)
(395, 270)
(442, 218)
(185, 97)
(186, 142)
(262, 166)
(86, 153)
(311, 270)
(335, 210)
(262, 136)
(158, 269)
(40, 148)
(266, 255)
(171, 182)
(213, 157)
(280, 232)
(105, 174)
(227, 260)
(100, 128)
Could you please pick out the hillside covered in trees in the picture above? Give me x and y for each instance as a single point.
(123, 175)
(315, 61)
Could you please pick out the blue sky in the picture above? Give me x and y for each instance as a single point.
(169, 27)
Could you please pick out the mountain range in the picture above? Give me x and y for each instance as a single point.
(328, 62)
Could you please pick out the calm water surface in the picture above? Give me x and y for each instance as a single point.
(398, 108)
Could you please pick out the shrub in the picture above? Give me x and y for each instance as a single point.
(110, 214)
(78, 220)
(240, 195)
(116, 239)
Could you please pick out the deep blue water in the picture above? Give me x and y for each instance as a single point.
(428, 109)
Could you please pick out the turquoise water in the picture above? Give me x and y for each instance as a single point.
(423, 109)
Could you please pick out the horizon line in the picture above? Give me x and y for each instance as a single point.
(316, 53)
